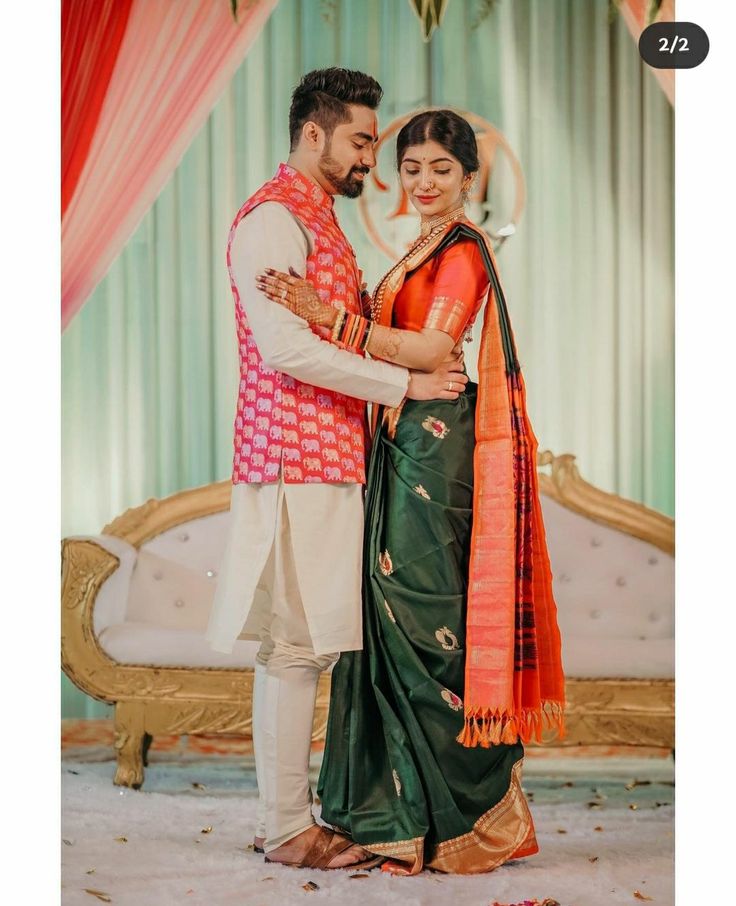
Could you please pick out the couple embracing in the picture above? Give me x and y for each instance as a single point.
(430, 593)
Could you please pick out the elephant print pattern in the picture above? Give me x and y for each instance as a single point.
(315, 434)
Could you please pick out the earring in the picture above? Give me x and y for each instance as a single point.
(465, 191)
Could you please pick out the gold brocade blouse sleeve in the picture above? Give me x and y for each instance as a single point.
(458, 288)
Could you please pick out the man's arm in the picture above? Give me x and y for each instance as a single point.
(269, 236)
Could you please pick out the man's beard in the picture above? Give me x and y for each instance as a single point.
(346, 185)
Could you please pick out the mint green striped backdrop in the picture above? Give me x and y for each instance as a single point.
(149, 366)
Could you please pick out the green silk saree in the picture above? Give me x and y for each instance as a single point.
(393, 775)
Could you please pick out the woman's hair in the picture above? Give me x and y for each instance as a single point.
(445, 127)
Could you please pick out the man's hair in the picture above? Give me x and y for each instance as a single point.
(323, 96)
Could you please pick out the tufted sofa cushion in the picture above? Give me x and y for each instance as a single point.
(615, 598)
(169, 595)
(618, 658)
(614, 593)
(144, 643)
(197, 544)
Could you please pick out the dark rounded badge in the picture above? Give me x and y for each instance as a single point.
(673, 45)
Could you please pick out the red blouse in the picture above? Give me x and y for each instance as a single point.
(445, 293)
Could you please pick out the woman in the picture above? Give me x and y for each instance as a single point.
(461, 659)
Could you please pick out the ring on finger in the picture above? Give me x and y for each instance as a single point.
(283, 292)
(449, 386)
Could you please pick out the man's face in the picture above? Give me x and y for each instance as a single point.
(348, 155)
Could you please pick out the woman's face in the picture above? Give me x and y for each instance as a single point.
(432, 177)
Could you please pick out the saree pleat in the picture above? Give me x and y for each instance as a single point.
(393, 776)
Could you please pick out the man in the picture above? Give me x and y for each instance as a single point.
(292, 567)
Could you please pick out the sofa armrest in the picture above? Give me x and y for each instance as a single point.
(88, 563)
(111, 602)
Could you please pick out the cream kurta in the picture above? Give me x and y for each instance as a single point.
(326, 520)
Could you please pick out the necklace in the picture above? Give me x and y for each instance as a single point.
(429, 229)
(431, 224)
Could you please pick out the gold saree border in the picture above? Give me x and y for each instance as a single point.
(403, 850)
(495, 836)
(448, 314)
(391, 419)
(494, 839)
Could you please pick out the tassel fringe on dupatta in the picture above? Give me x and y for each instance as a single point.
(514, 684)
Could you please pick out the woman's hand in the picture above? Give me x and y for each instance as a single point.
(298, 295)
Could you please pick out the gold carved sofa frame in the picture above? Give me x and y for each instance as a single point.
(157, 700)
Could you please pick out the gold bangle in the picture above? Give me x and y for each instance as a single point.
(367, 339)
(337, 326)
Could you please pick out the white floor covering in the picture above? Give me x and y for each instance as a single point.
(167, 860)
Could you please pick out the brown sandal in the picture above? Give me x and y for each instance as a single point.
(326, 846)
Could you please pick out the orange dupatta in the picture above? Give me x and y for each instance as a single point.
(514, 683)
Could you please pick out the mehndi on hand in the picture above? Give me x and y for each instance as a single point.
(296, 294)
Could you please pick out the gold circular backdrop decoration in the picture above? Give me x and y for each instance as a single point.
(496, 202)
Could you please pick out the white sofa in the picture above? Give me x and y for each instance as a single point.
(136, 600)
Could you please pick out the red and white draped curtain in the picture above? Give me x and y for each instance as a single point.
(138, 80)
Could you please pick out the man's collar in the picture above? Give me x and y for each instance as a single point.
(303, 183)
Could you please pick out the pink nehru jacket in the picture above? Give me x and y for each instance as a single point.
(318, 435)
